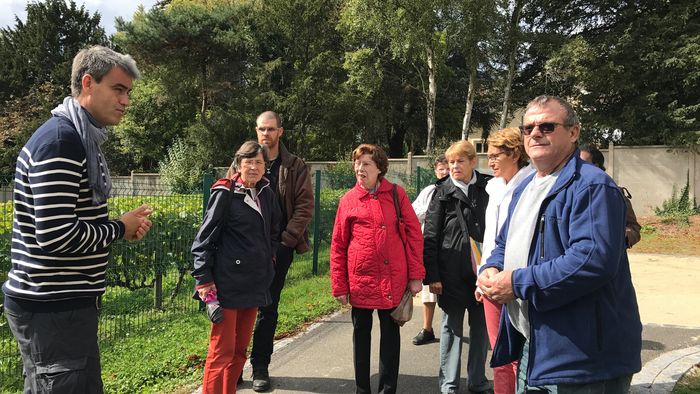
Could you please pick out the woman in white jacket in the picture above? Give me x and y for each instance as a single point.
(509, 162)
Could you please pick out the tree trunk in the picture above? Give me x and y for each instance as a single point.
(430, 99)
(205, 104)
(470, 102)
(513, 42)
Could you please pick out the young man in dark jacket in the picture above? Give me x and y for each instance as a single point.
(455, 214)
(291, 181)
(560, 265)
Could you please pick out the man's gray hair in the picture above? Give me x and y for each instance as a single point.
(98, 61)
(540, 101)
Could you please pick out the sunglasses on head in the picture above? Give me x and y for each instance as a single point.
(544, 127)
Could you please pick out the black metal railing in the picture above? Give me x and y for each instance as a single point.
(148, 281)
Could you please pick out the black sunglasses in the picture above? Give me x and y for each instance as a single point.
(545, 127)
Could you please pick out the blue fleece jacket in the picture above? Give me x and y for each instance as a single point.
(584, 318)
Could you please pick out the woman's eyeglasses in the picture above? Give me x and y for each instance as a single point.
(544, 127)
(495, 156)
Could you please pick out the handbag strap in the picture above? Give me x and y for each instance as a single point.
(397, 207)
(399, 217)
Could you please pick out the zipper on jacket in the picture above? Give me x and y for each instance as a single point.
(542, 237)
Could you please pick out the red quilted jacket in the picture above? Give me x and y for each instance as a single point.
(368, 260)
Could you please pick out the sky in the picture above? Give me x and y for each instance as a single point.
(108, 9)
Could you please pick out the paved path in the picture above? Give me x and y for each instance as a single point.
(319, 360)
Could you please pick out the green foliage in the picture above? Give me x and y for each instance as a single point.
(20, 117)
(342, 72)
(298, 73)
(679, 207)
(176, 219)
(341, 174)
(689, 383)
(41, 49)
(6, 212)
(157, 358)
(329, 206)
(648, 229)
(198, 59)
(146, 133)
(633, 72)
(35, 59)
(183, 168)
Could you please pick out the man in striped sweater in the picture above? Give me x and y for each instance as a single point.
(61, 232)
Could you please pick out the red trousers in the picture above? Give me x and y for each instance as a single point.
(228, 343)
(504, 377)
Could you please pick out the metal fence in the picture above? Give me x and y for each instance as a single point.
(148, 281)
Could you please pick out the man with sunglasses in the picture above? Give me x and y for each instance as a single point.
(560, 267)
(291, 180)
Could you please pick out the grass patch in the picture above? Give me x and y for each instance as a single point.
(663, 237)
(689, 382)
(167, 354)
(156, 359)
(170, 357)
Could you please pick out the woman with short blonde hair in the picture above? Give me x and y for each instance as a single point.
(455, 215)
(461, 148)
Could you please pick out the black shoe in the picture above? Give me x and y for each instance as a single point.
(261, 381)
(424, 337)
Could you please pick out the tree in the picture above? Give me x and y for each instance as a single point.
(413, 33)
(299, 73)
(471, 27)
(197, 57)
(35, 59)
(20, 118)
(635, 78)
(42, 49)
(154, 119)
(512, 42)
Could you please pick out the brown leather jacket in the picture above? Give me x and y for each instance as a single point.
(632, 227)
(296, 195)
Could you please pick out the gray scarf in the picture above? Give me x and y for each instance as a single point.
(92, 137)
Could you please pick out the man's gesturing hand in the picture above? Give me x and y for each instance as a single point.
(136, 223)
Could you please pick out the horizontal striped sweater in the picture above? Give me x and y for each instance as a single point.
(60, 239)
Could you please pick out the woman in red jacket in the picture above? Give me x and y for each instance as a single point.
(373, 262)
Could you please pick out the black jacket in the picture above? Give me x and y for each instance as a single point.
(235, 251)
(446, 252)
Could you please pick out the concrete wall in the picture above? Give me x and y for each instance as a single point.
(139, 184)
(651, 172)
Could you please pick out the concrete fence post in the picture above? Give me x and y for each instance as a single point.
(611, 160)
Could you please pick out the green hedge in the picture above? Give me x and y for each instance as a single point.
(128, 304)
(175, 218)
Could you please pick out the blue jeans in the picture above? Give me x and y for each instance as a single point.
(619, 385)
(451, 349)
